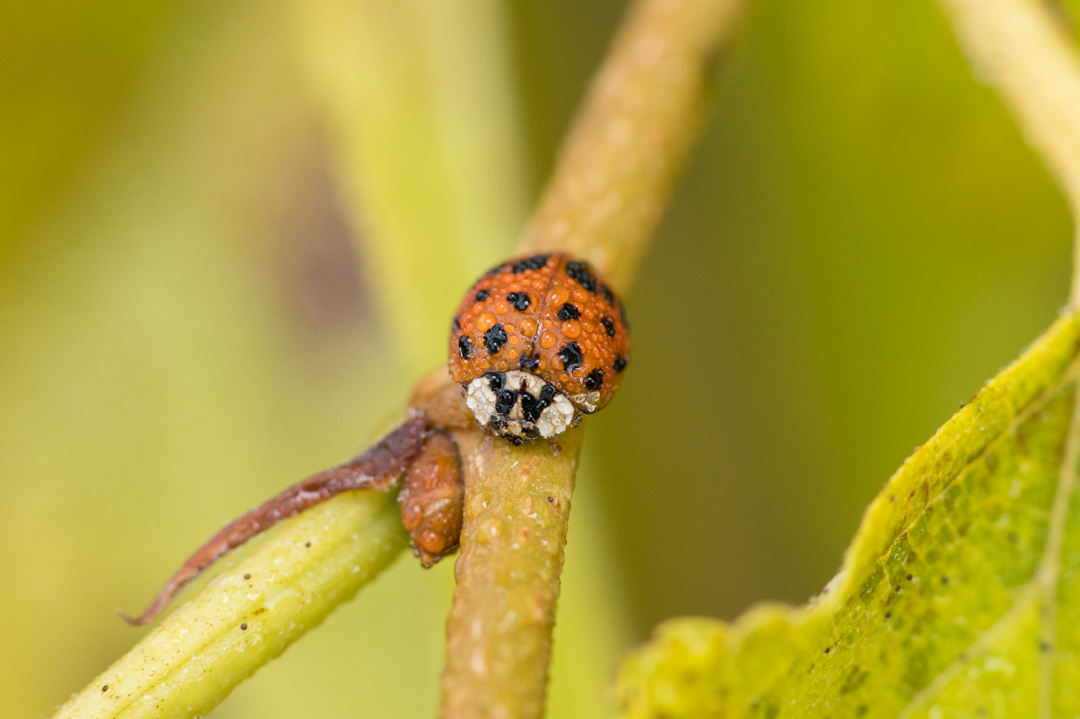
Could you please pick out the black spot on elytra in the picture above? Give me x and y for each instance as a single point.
(609, 326)
(456, 325)
(495, 270)
(494, 339)
(529, 263)
(581, 273)
(620, 363)
(464, 345)
(607, 293)
(622, 315)
(594, 380)
(496, 380)
(568, 312)
(530, 363)
(505, 402)
(519, 301)
(571, 356)
(482, 295)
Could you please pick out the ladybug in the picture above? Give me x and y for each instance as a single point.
(537, 342)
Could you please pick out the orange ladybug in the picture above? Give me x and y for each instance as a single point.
(536, 342)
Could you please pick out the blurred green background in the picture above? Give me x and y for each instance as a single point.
(231, 235)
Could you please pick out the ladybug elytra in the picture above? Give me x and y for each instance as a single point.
(536, 342)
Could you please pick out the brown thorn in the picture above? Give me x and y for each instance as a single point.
(377, 468)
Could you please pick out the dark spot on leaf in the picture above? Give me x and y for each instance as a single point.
(243, 626)
(105, 688)
(247, 576)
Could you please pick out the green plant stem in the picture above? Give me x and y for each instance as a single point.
(371, 74)
(631, 137)
(604, 200)
(1022, 48)
(250, 613)
(517, 512)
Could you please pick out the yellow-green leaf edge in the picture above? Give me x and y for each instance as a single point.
(936, 609)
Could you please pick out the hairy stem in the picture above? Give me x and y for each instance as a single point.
(371, 77)
(250, 613)
(631, 137)
(1022, 48)
(604, 200)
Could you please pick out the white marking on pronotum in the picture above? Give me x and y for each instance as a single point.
(554, 418)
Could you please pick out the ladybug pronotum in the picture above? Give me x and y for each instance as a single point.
(536, 342)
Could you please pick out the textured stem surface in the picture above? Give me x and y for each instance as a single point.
(517, 510)
(250, 613)
(610, 186)
(631, 137)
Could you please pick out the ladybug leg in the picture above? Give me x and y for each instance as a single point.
(432, 499)
(377, 468)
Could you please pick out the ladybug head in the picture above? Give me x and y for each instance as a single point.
(519, 405)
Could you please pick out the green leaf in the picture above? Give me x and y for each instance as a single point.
(959, 595)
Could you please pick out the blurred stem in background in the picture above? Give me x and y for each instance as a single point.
(415, 97)
(1024, 48)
